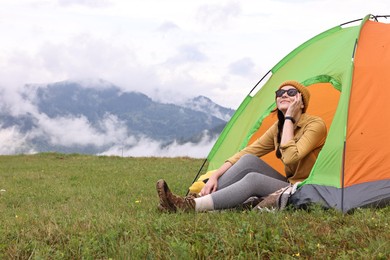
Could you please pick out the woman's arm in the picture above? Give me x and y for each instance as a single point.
(314, 136)
(294, 111)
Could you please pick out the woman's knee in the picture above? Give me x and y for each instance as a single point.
(260, 184)
(251, 162)
(249, 159)
(252, 177)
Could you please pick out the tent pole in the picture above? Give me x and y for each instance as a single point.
(351, 22)
(342, 179)
(375, 17)
(196, 177)
(259, 82)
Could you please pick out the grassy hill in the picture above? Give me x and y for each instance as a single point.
(57, 206)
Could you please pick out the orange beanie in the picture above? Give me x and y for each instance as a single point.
(302, 89)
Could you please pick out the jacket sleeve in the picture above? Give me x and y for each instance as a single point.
(260, 147)
(313, 136)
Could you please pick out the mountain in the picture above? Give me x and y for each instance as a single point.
(72, 116)
(206, 105)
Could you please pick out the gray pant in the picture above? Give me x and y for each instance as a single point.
(249, 176)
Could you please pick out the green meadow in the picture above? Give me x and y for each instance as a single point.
(58, 206)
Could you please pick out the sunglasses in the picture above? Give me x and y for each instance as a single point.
(291, 92)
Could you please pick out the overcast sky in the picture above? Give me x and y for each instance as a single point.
(167, 49)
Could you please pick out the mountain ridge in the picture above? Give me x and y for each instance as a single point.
(106, 116)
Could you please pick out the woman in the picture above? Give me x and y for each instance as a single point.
(297, 138)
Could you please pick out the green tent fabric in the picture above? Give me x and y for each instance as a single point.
(326, 59)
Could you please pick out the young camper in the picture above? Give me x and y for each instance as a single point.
(297, 139)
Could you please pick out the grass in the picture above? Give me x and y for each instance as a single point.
(58, 206)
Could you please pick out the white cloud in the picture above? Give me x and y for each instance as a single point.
(13, 142)
(244, 67)
(190, 53)
(70, 131)
(88, 3)
(86, 56)
(216, 16)
(147, 147)
(167, 26)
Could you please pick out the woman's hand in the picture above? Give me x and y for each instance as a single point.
(210, 187)
(212, 184)
(295, 107)
(294, 111)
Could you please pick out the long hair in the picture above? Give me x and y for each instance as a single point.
(280, 129)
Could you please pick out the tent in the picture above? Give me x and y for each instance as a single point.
(346, 71)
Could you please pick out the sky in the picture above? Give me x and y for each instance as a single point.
(170, 50)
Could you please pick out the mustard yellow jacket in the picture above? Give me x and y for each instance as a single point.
(299, 154)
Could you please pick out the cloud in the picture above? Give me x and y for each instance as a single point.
(167, 26)
(71, 131)
(13, 103)
(218, 15)
(88, 3)
(13, 142)
(82, 56)
(145, 147)
(68, 132)
(242, 67)
(188, 53)
(85, 56)
(298, 1)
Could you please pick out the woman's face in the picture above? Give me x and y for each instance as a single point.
(284, 101)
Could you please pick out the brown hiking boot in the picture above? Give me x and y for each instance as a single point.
(193, 195)
(162, 189)
(171, 202)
